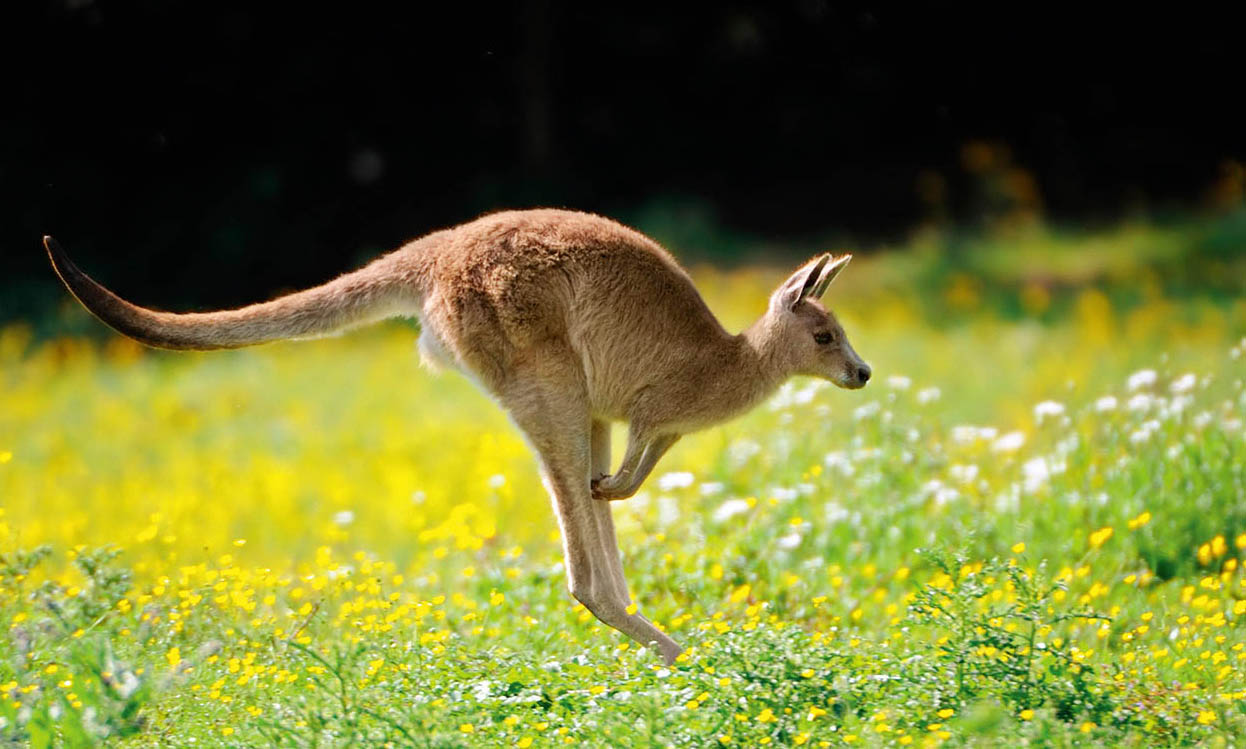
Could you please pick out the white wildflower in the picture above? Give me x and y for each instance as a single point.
(338, 572)
(668, 511)
(1179, 404)
(1141, 379)
(783, 398)
(497, 481)
(481, 691)
(805, 394)
(899, 382)
(1046, 409)
(1144, 432)
(1010, 442)
(127, 685)
(965, 474)
(343, 518)
(740, 451)
(835, 512)
(790, 541)
(675, 480)
(789, 396)
(1067, 445)
(1035, 472)
(869, 409)
(1106, 403)
(1183, 384)
(839, 461)
(730, 509)
(783, 494)
(965, 434)
(939, 492)
(1141, 402)
(710, 488)
(928, 395)
(1008, 501)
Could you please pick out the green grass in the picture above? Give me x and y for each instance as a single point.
(322, 544)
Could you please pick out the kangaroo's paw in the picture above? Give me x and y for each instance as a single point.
(605, 488)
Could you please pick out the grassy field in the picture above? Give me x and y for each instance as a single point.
(1027, 530)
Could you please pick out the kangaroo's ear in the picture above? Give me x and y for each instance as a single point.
(800, 284)
(828, 275)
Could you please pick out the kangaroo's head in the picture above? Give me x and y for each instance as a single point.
(802, 336)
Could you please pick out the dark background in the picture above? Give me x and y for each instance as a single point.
(193, 153)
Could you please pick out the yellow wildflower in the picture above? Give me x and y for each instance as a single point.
(1100, 537)
(740, 593)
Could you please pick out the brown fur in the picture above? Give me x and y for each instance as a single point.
(571, 321)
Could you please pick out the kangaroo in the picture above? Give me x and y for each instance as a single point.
(571, 322)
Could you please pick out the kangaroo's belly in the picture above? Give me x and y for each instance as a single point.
(433, 351)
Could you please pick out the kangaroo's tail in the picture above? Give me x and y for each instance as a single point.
(377, 291)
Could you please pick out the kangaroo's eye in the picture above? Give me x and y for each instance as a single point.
(823, 338)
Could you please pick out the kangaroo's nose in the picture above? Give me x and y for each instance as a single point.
(863, 374)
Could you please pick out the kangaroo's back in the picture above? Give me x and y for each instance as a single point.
(514, 280)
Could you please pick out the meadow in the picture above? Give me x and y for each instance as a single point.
(1029, 529)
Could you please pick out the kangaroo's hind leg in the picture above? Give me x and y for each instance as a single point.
(553, 413)
(603, 514)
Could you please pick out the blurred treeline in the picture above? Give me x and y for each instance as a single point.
(198, 156)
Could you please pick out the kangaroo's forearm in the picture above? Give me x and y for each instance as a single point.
(649, 460)
(638, 462)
